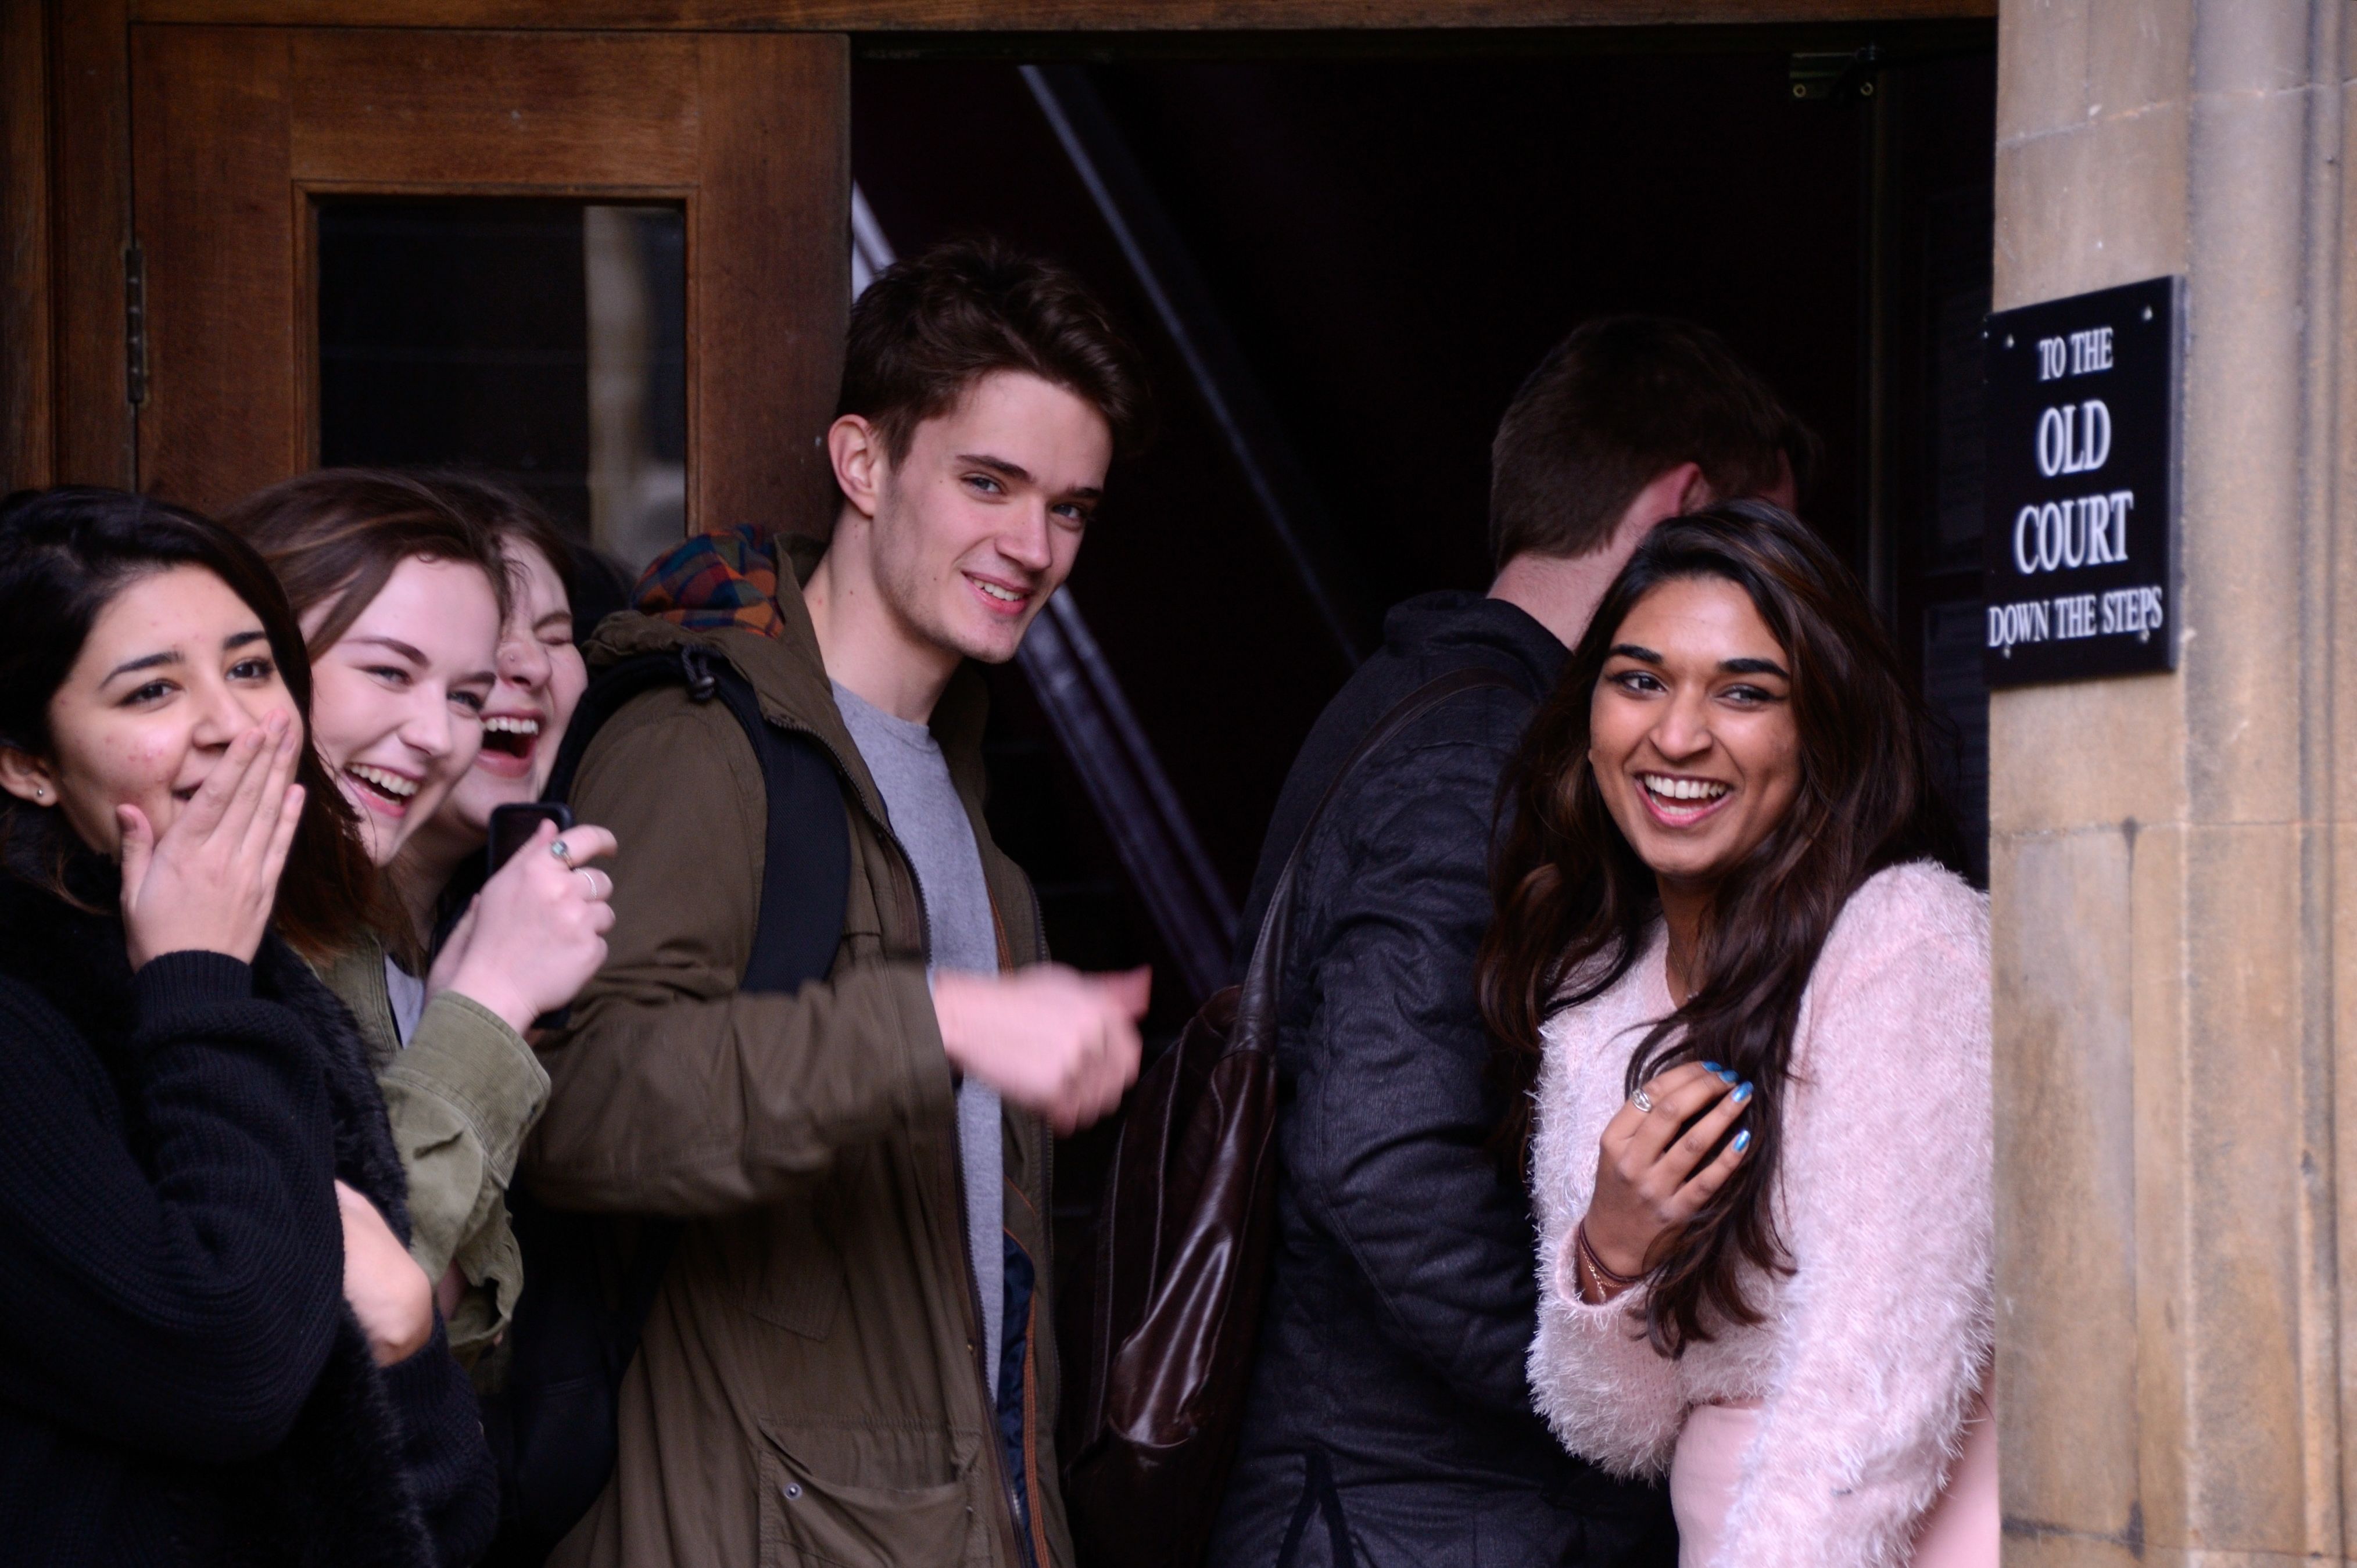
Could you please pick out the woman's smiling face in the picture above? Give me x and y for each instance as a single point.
(397, 703)
(1692, 736)
(174, 668)
(541, 679)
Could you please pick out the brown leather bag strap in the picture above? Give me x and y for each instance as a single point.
(1255, 1024)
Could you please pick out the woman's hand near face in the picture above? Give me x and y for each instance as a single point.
(208, 883)
(1651, 1178)
(536, 932)
(387, 1291)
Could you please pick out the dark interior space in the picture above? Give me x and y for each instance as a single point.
(1935, 294)
(1359, 259)
(1388, 246)
(458, 332)
(1398, 242)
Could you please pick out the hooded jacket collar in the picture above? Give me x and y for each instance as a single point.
(1457, 622)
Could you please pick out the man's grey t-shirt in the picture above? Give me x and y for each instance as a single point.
(931, 823)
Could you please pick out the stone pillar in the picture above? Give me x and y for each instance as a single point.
(2172, 961)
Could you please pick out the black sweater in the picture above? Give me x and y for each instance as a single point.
(180, 1381)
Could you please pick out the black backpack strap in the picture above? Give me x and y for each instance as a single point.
(578, 1329)
(1256, 1003)
(806, 844)
(805, 882)
(806, 850)
(610, 690)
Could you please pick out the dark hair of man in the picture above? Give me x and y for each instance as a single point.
(335, 537)
(65, 554)
(1574, 904)
(1618, 403)
(929, 327)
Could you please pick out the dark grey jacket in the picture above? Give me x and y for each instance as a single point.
(1390, 1420)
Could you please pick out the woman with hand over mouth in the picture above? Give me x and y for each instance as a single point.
(405, 605)
(214, 1347)
(1754, 1011)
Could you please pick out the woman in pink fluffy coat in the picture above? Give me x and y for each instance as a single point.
(1750, 1010)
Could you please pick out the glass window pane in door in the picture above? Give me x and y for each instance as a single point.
(540, 342)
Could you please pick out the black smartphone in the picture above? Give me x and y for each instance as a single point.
(512, 827)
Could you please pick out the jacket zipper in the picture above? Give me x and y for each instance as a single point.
(978, 1342)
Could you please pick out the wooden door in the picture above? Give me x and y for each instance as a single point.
(239, 133)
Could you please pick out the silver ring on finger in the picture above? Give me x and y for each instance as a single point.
(1641, 1100)
(589, 879)
(562, 851)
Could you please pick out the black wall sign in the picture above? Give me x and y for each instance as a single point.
(2081, 486)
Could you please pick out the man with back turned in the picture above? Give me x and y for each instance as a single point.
(1390, 1423)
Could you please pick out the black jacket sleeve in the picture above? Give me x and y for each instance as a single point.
(1384, 1140)
(182, 1302)
(444, 1452)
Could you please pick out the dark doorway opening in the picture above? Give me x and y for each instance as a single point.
(1341, 270)
(1357, 260)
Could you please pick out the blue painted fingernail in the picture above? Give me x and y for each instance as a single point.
(1743, 1094)
(1712, 1067)
(1728, 1075)
(1743, 1140)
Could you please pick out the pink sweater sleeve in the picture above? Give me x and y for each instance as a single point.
(1888, 1321)
(1608, 1397)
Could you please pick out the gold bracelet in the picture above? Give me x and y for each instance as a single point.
(1595, 1264)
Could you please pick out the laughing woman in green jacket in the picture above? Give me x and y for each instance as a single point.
(413, 607)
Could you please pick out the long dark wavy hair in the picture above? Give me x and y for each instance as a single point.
(1575, 905)
(65, 553)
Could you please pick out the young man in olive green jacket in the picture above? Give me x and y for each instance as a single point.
(815, 1382)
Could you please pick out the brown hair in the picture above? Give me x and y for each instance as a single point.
(1616, 404)
(65, 553)
(928, 328)
(1574, 904)
(335, 537)
(506, 513)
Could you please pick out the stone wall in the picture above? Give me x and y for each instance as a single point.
(2170, 953)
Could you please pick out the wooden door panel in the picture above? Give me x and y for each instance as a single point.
(767, 309)
(455, 110)
(90, 136)
(1028, 15)
(28, 379)
(215, 216)
(239, 130)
